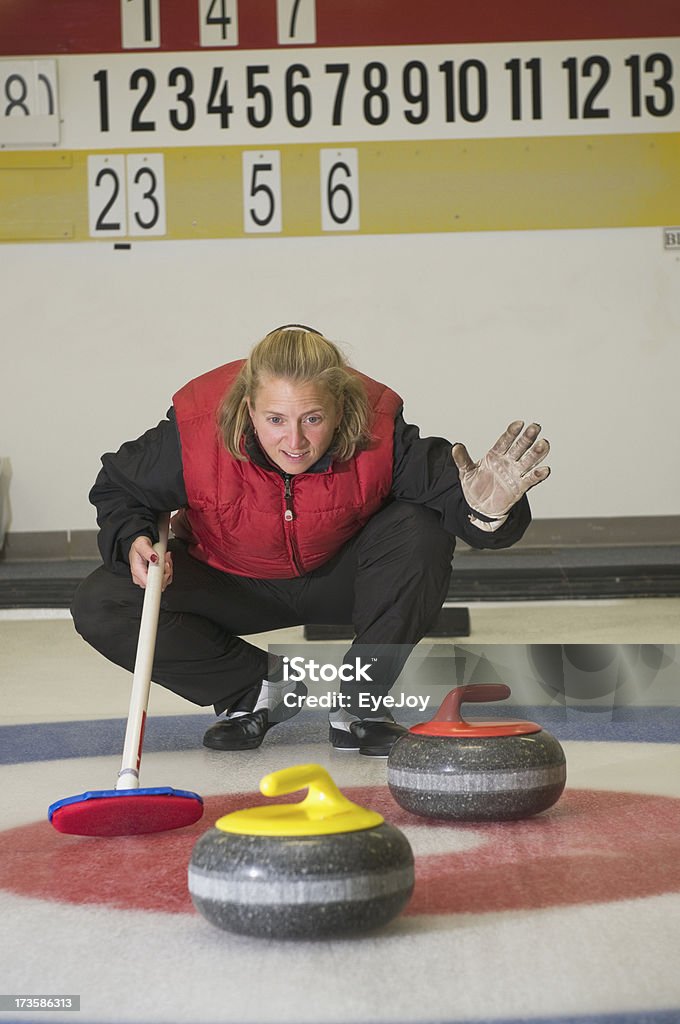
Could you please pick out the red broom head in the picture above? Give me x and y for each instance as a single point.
(119, 812)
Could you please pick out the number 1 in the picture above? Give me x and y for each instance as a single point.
(140, 24)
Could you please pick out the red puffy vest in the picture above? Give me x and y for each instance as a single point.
(236, 510)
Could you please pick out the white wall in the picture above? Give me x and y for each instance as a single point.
(576, 329)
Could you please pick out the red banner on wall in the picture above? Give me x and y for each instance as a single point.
(33, 27)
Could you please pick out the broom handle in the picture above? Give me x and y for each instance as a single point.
(128, 776)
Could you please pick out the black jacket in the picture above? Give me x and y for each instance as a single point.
(145, 477)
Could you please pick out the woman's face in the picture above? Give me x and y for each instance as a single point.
(294, 422)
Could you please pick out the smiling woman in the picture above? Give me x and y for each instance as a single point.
(298, 366)
(304, 498)
(294, 423)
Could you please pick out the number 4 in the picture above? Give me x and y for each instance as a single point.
(218, 22)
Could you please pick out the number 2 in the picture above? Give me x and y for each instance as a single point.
(106, 177)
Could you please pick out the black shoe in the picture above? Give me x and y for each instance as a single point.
(243, 733)
(246, 732)
(373, 738)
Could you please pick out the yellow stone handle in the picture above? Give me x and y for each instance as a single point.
(323, 811)
(323, 799)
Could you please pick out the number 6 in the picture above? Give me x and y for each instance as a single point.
(339, 190)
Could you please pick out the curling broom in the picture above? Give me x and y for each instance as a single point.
(128, 809)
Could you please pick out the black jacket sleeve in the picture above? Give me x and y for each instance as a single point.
(136, 483)
(425, 473)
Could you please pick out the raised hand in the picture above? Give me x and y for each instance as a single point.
(507, 471)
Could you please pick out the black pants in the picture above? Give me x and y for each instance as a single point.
(389, 581)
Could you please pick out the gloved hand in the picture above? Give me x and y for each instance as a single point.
(507, 471)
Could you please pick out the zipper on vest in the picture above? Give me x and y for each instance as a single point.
(288, 514)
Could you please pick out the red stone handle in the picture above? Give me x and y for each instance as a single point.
(449, 710)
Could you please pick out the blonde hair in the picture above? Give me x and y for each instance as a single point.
(303, 355)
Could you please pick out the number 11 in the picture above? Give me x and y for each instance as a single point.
(534, 67)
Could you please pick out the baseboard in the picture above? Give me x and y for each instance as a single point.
(54, 545)
(619, 531)
(601, 532)
(558, 560)
(449, 622)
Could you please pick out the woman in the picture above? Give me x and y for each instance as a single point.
(304, 498)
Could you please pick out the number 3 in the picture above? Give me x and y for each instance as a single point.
(146, 194)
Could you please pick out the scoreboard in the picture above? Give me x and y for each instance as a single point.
(188, 119)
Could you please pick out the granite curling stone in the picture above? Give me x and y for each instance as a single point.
(476, 771)
(319, 868)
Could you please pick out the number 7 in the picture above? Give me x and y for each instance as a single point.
(343, 71)
(293, 18)
(296, 22)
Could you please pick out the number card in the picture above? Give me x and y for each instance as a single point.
(106, 195)
(140, 24)
(126, 195)
(262, 191)
(218, 22)
(296, 22)
(146, 194)
(339, 190)
(29, 110)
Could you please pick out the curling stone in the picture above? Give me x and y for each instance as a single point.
(476, 771)
(318, 868)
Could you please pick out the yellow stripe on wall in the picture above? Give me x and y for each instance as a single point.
(404, 187)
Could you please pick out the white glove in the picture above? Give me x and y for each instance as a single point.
(507, 471)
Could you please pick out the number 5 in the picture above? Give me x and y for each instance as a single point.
(261, 191)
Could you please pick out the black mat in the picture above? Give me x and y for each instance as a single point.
(535, 574)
